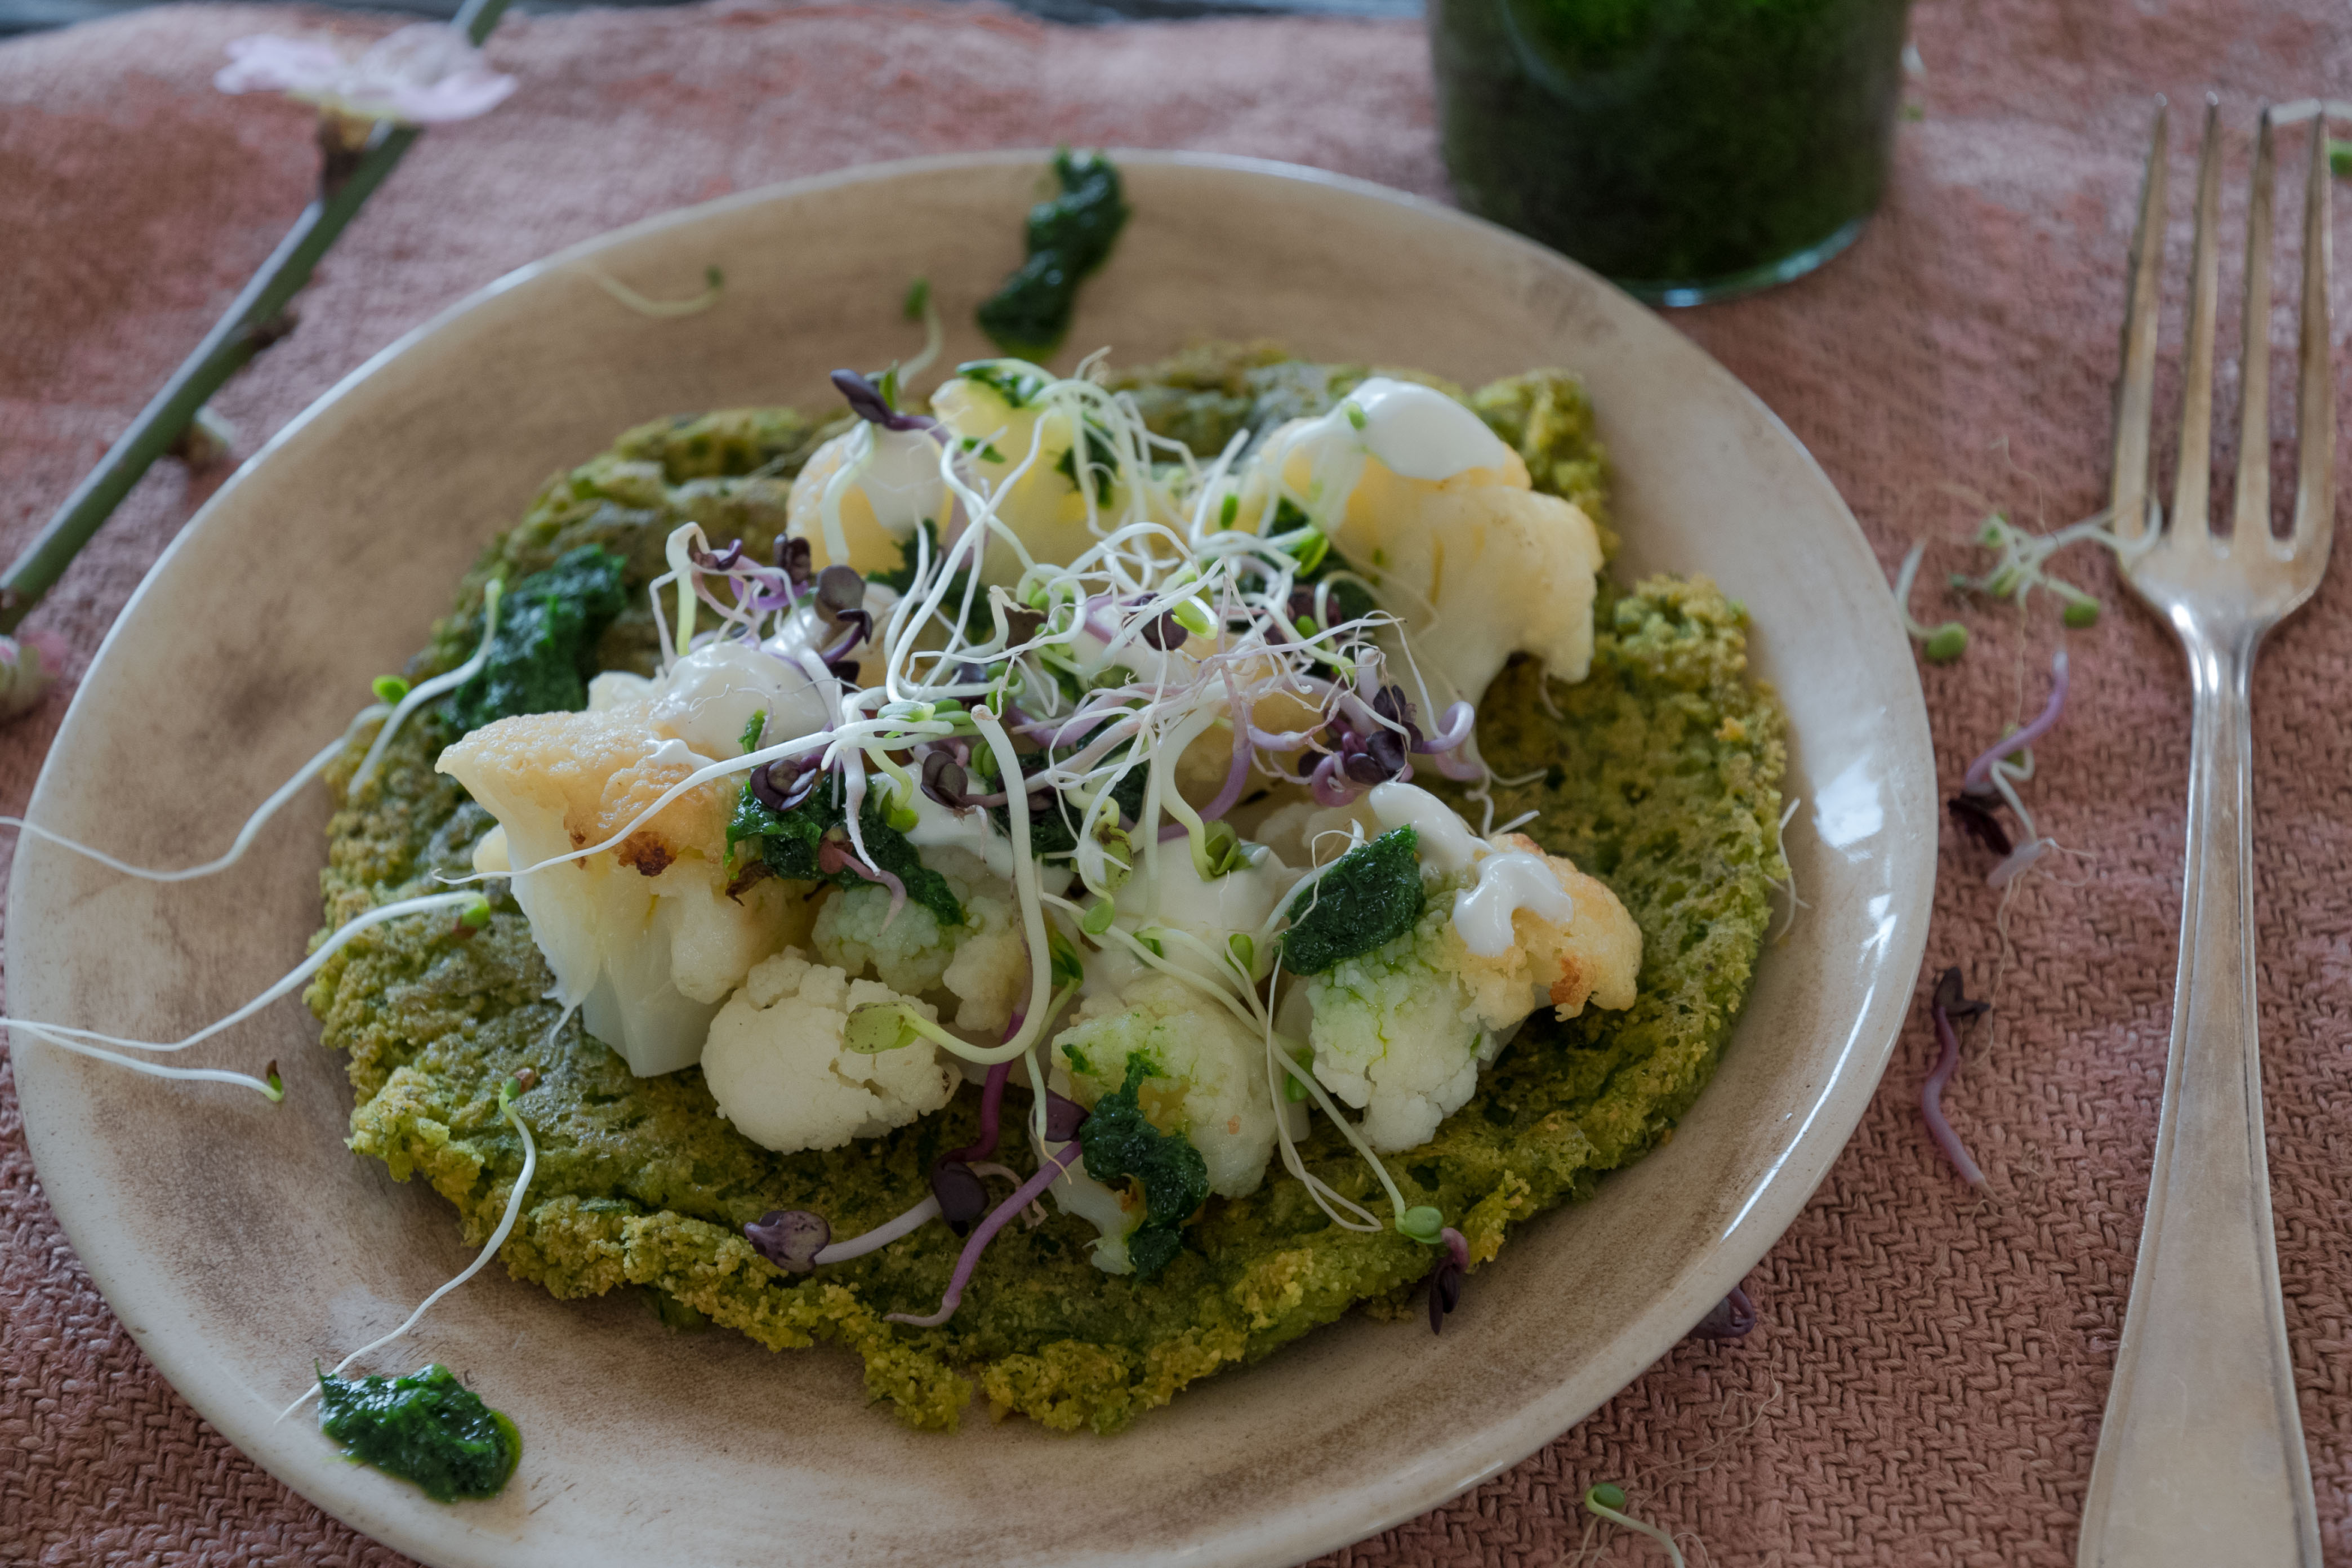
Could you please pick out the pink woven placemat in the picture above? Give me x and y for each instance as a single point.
(1926, 1381)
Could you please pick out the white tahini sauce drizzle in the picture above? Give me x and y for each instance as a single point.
(1508, 882)
(1447, 845)
(1415, 432)
(1418, 433)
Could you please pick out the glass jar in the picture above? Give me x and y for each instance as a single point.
(1686, 149)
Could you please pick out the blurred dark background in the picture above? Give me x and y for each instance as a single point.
(32, 16)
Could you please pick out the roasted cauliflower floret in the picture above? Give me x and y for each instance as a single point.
(1594, 957)
(1114, 1213)
(777, 1064)
(1439, 517)
(1401, 1029)
(642, 937)
(1208, 1074)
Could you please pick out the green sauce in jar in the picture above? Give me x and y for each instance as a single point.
(1687, 149)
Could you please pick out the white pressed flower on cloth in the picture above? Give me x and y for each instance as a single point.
(426, 74)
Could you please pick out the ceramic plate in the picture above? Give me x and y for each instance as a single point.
(238, 1240)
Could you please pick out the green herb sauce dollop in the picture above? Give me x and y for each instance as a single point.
(1069, 237)
(427, 1427)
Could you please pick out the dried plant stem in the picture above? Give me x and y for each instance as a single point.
(255, 320)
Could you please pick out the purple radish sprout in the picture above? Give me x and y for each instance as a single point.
(1981, 819)
(1050, 1170)
(882, 1234)
(785, 784)
(962, 1197)
(945, 781)
(1034, 1215)
(1446, 1285)
(991, 1106)
(789, 1238)
(1329, 787)
(1236, 775)
(1163, 632)
(1460, 720)
(1948, 1003)
(1063, 1117)
(1978, 778)
(833, 855)
(866, 401)
(1729, 1319)
(992, 1099)
(2014, 864)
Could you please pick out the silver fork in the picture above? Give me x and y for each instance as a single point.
(2200, 1458)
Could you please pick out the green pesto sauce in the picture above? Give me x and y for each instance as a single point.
(427, 1427)
(1069, 237)
(1371, 894)
(1663, 781)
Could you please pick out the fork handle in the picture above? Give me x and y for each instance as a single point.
(2200, 1460)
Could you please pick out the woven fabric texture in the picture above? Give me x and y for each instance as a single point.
(1926, 1381)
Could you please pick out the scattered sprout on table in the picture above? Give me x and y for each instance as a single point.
(1991, 784)
(507, 1091)
(1607, 1502)
(1946, 1006)
(1729, 1319)
(2022, 565)
(1940, 644)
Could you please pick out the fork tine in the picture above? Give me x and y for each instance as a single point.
(2315, 482)
(2194, 470)
(2136, 383)
(2250, 517)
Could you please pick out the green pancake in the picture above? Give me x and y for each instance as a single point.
(1660, 777)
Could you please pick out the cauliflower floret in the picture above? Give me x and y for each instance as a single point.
(1440, 518)
(1487, 571)
(896, 491)
(1401, 1031)
(1208, 1074)
(776, 1064)
(1399, 1037)
(1207, 911)
(1114, 1214)
(642, 938)
(1044, 508)
(1595, 956)
(984, 963)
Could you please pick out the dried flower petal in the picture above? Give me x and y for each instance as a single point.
(425, 74)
